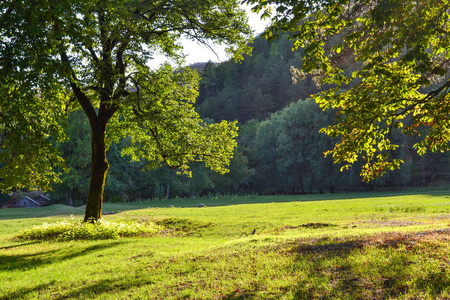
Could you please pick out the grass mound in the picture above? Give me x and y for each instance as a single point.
(184, 226)
(68, 230)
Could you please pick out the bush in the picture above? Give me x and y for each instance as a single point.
(77, 230)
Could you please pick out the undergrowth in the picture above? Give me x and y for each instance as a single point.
(68, 230)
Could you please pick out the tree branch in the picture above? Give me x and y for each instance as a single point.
(79, 94)
(428, 97)
(93, 54)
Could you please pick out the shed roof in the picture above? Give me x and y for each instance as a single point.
(32, 200)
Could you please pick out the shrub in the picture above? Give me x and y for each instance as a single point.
(77, 230)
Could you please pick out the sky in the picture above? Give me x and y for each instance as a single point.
(200, 53)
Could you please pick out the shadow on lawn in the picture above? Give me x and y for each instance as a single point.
(377, 267)
(110, 286)
(24, 292)
(18, 245)
(30, 261)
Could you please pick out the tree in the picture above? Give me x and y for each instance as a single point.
(56, 56)
(238, 177)
(300, 147)
(401, 53)
(266, 143)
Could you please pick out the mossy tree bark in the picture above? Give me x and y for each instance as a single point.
(99, 169)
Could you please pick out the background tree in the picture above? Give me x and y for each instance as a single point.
(300, 148)
(266, 164)
(401, 49)
(76, 152)
(235, 181)
(60, 55)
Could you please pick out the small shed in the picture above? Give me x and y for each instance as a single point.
(44, 201)
(29, 202)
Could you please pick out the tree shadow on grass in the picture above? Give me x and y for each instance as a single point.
(29, 261)
(24, 292)
(110, 286)
(240, 295)
(18, 245)
(370, 268)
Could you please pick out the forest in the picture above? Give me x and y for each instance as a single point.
(280, 149)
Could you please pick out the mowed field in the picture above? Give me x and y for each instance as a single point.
(339, 246)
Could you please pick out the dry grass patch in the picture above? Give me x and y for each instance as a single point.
(382, 266)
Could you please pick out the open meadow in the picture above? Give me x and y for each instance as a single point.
(339, 246)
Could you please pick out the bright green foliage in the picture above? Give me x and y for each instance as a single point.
(167, 129)
(29, 116)
(69, 230)
(401, 51)
(57, 56)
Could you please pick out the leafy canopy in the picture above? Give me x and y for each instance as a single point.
(166, 128)
(58, 56)
(399, 54)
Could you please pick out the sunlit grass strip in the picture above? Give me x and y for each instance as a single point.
(68, 230)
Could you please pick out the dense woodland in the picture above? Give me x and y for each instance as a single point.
(280, 149)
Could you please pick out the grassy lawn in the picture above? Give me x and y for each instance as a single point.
(340, 246)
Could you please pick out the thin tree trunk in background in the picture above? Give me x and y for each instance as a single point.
(69, 199)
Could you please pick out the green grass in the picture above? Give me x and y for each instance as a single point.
(343, 246)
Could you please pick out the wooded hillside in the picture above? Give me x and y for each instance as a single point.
(280, 149)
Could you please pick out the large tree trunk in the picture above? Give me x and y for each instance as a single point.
(99, 170)
(98, 121)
